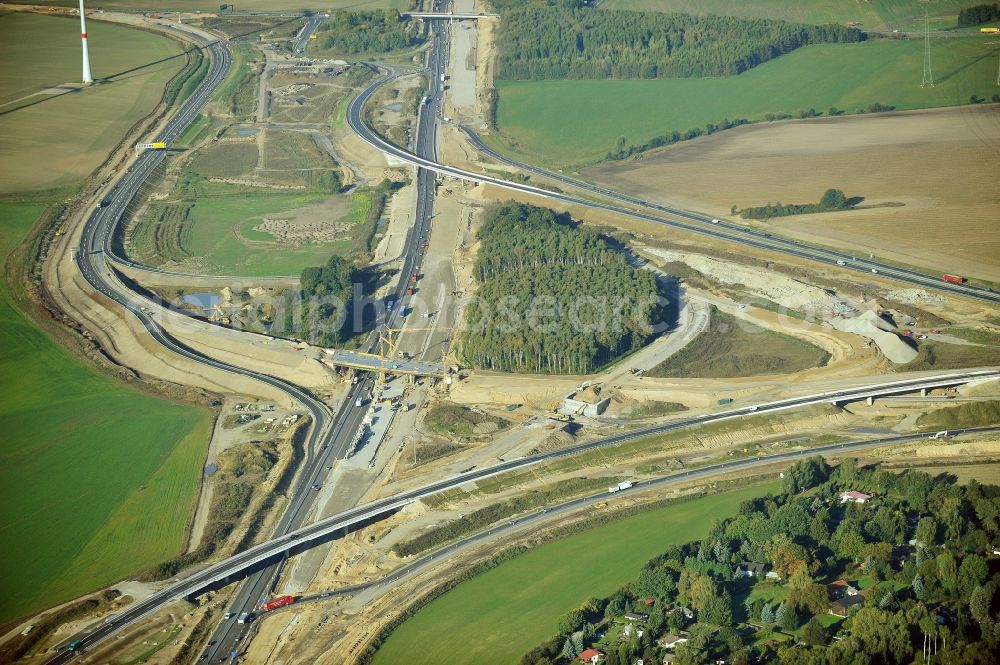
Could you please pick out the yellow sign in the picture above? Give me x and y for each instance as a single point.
(159, 145)
(990, 31)
(312, 36)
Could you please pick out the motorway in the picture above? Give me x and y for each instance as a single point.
(383, 584)
(330, 437)
(326, 441)
(679, 219)
(230, 637)
(319, 531)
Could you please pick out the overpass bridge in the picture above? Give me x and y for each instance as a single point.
(371, 362)
(312, 534)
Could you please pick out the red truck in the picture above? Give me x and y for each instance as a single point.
(277, 602)
(953, 279)
(414, 277)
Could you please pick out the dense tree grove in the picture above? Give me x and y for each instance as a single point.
(562, 40)
(553, 297)
(374, 31)
(833, 199)
(326, 301)
(979, 14)
(918, 554)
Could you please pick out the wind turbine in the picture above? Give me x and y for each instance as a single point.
(87, 78)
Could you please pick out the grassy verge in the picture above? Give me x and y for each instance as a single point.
(977, 335)
(498, 615)
(933, 355)
(733, 347)
(456, 420)
(187, 81)
(543, 120)
(972, 414)
(496, 512)
(654, 408)
(239, 93)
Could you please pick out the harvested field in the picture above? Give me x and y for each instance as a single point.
(986, 474)
(941, 165)
(41, 101)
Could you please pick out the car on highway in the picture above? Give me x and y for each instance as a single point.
(715, 221)
(227, 616)
(245, 617)
(875, 270)
(841, 263)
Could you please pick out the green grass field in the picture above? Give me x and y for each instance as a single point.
(732, 347)
(43, 130)
(499, 615)
(563, 123)
(218, 222)
(225, 160)
(86, 464)
(880, 15)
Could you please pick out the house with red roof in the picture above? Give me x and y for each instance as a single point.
(590, 656)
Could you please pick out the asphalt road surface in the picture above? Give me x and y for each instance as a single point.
(685, 220)
(308, 535)
(383, 584)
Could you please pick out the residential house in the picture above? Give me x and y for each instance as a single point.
(636, 616)
(590, 656)
(841, 606)
(835, 590)
(670, 641)
(856, 497)
(840, 589)
(668, 658)
(686, 611)
(627, 632)
(771, 575)
(750, 569)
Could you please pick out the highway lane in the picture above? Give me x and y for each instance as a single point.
(230, 637)
(91, 260)
(307, 30)
(689, 221)
(317, 531)
(493, 532)
(191, 585)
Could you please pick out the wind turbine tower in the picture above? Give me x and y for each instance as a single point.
(87, 78)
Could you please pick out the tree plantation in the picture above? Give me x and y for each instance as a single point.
(538, 41)
(553, 297)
